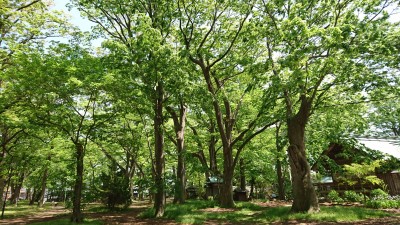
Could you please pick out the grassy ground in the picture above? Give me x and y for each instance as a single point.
(24, 209)
(197, 212)
(67, 222)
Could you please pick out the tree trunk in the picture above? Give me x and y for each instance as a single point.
(304, 195)
(226, 197)
(212, 150)
(34, 194)
(77, 216)
(281, 187)
(28, 194)
(2, 186)
(252, 182)
(159, 200)
(16, 190)
(43, 188)
(179, 127)
(242, 175)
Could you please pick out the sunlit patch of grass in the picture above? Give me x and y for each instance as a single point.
(327, 214)
(197, 212)
(67, 222)
(24, 209)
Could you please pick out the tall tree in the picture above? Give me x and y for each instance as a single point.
(218, 39)
(75, 108)
(23, 25)
(315, 47)
(140, 31)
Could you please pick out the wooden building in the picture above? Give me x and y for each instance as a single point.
(332, 160)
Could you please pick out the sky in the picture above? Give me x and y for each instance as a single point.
(76, 19)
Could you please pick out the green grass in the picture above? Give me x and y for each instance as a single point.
(67, 222)
(249, 213)
(24, 209)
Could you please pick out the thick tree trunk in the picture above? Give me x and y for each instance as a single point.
(180, 192)
(226, 197)
(304, 195)
(179, 127)
(77, 216)
(159, 200)
(43, 188)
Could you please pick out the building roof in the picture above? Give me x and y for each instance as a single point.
(389, 146)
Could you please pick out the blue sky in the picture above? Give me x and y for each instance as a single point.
(76, 18)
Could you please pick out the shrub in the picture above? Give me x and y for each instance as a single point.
(333, 196)
(352, 196)
(383, 204)
(379, 194)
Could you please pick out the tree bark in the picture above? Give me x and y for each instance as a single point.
(43, 188)
(2, 186)
(159, 200)
(304, 195)
(242, 175)
(77, 216)
(281, 187)
(212, 150)
(179, 126)
(34, 194)
(16, 190)
(226, 197)
(252, 183)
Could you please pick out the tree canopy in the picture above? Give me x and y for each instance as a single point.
(181, 91)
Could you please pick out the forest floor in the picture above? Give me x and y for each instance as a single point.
(131, 216)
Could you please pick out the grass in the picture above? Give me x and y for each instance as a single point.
(24, 209)
(67, 222)
(249, 213)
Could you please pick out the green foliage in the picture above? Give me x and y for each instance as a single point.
(379, 194)
(115, 190)
(333, 196)
(362, 173)
(352, 196)
(383, 204)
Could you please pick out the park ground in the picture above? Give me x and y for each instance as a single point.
(203, 212)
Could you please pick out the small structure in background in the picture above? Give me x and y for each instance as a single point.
(191, 192)
(240, 195)
(364, 150)
(213, 187)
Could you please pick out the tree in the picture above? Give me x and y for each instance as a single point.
(75, 108)
(23, 25)
(314, 47)
(140, 31)
(217, 38)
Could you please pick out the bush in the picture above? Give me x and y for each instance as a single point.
(383, 204)
(352, 196)
(333, 196)
(379, 194)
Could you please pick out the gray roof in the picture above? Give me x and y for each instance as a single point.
(389, 146)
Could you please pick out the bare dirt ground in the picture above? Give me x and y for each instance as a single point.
(131, 217)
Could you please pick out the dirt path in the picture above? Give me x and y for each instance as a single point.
(129, 217)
